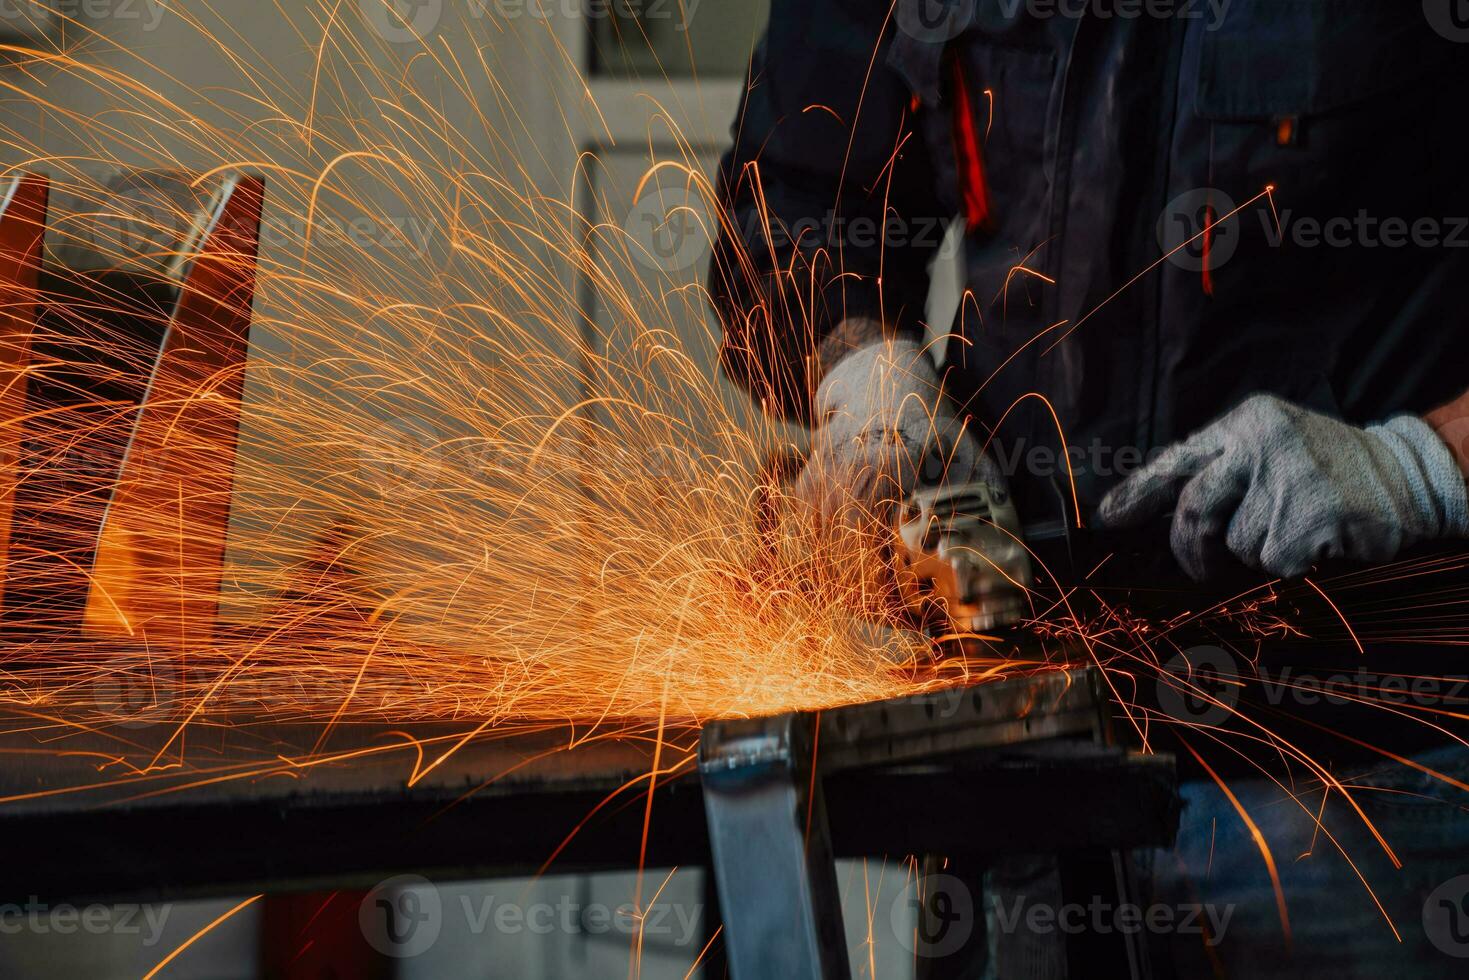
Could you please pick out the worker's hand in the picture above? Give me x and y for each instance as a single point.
(883, 429)
(1283, 488)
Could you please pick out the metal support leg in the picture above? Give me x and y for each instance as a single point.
(1107, 879)
(936, 919)
(772, 852)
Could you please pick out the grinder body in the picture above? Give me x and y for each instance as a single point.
(961, 562)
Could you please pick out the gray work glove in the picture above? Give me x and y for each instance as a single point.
(1283, 488)
(884, 427)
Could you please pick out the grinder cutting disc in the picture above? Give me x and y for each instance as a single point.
(962, 560)
(955, 554)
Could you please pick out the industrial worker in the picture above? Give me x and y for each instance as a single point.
(1215, 264)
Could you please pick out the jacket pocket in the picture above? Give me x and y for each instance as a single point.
(1351, 113)
(1276, 59)
(1327, 99)
(1343, 107)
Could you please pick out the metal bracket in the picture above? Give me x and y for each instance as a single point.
(771, 849)
(769, 836)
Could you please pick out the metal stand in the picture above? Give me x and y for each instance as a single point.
(1032, 741)
(969, 776)
(772, 852)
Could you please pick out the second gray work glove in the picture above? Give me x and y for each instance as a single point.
(1282, 488)
(883, 428)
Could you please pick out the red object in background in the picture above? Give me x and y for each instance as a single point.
(969, 156)
(160, 551)
(317, 936)
(23, 205)
(1206, 274)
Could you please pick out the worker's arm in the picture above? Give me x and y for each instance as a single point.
(1451, 422)
(884, 429)
(829, 208)
(1281, 487)
(831, 215)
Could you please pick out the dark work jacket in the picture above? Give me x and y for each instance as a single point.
(1102, 142)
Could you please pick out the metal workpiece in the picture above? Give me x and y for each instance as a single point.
(771, 849)
(1014, 766)
(1026, 709)
(244, 808)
